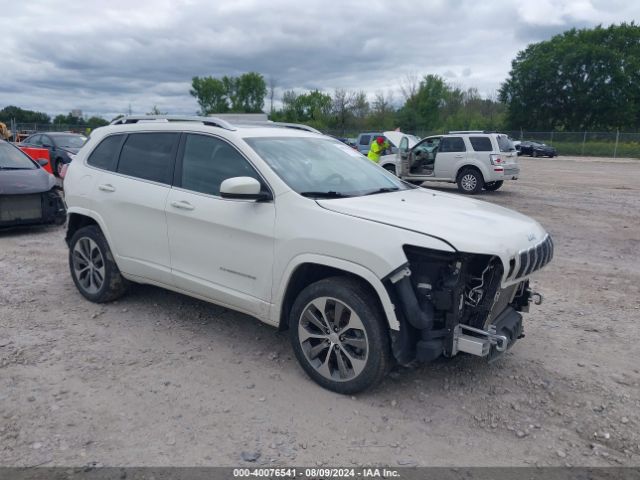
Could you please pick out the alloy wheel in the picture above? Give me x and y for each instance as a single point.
(333, 339)
(88, 265)
(469, 182)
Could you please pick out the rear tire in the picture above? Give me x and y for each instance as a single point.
(470, 181)
(339, 335)
(493, 186)
(534, 154)
(93, 268)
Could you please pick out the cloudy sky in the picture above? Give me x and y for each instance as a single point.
(102, 56)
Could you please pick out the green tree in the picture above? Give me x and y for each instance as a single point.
(251, 91)
(68, 119)
(12, 112)
(243, 94)
(95, 122)
(211, 95)
(382, 114)
(580, 80)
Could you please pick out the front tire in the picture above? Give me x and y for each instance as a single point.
(339, 335)
(470, 181)
(493, 186)
(93, 269)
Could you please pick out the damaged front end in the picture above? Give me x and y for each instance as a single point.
(43, 208)
(454, 302)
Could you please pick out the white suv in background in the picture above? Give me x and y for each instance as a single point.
(304, 233)
(472, 159)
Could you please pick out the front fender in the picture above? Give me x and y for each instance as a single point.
(339, 264)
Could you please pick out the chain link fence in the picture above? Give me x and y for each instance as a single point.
(589, 144)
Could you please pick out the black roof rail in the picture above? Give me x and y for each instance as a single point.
(210, 121)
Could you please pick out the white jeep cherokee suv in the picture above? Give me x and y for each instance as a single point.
(304, 233)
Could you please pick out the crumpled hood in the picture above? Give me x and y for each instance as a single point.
(18, 182)
(467, 224)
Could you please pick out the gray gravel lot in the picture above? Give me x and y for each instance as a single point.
(162, 379)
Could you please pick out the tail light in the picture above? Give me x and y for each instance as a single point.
(497, 159)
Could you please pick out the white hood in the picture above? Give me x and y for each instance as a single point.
(394, 137)
(468, 225)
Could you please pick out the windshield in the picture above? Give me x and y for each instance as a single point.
(323, 167)
(70, 141)
(505, 144)
(12, 158)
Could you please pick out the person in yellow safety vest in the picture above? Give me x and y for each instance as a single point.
(377, 148)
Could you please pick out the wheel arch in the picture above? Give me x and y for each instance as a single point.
(471, 166)
(311, 269)
(79, 218)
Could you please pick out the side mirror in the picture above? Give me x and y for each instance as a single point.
(43, 162)
(242, 188)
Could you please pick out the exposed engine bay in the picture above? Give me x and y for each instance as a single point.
(454, 302)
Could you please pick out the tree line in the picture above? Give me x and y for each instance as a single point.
(428, 104)
(20, 115)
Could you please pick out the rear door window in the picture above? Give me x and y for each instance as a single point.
(365, 139)
(452, 144)
(481, 144)
(105, 155)
(149, 156)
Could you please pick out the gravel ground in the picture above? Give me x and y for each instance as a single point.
(161, 379)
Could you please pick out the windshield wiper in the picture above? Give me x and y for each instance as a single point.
(383, 190)
(330, 194)
(16, 168)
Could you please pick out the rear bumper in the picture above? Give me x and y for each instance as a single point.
(46, 208)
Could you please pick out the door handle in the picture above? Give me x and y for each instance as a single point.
(459, 156)
(107, 188)
(182, 205)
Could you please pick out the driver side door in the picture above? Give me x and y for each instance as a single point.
(221, 248)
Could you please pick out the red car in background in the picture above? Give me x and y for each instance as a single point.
(38, 154)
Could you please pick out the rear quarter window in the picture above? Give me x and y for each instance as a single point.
(504, 144)
(481, 144)
(104, 156)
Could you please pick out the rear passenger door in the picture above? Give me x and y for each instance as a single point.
(221, 248)
(452, 154)
(131, 190)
